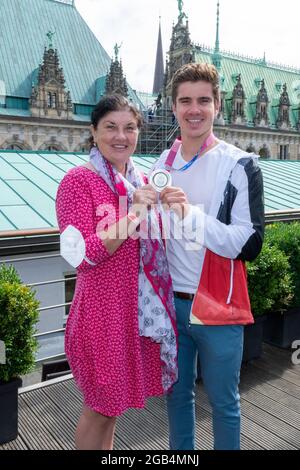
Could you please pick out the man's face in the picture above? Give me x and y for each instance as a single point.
(195, 109)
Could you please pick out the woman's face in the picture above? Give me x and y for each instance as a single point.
(116, 137)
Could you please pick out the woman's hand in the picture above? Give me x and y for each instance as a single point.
(143, 198)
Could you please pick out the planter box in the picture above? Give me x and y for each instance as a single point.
(9, 410)
(253, 337)
(281, 329)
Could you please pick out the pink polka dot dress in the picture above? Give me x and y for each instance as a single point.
(113, 366)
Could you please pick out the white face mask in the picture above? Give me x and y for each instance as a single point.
(72, 246)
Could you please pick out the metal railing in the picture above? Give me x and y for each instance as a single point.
(289, 215)
(270, 217)
(51, 307)
(21, 235)
(253, 60)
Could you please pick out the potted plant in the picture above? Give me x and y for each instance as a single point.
(270, 285)
(18, 316)
(283, 324)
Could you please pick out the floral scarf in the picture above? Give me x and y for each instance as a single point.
(156, 308)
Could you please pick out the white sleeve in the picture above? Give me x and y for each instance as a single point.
(224, 240)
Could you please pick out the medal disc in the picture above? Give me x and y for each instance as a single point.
(160, 179)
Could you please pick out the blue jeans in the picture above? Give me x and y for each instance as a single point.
(220, 351)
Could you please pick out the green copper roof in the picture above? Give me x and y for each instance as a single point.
(252, 72)
(29, 182)
(24, 25)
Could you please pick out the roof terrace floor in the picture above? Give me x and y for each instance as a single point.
(270, 403)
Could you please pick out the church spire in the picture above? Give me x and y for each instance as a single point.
(159, 65)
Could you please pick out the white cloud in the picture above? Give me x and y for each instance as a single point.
(249, 28)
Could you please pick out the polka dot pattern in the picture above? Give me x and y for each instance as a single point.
(113, 366)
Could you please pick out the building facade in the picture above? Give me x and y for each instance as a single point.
(51, 76)
(260, 101)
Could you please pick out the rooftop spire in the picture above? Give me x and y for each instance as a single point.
(217, 45)
(216, 57)
(159, 65)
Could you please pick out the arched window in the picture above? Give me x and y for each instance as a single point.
(54, 103)
(49, 100)
(285, 114)
(239, 108)
(283, 152)
(264, 152)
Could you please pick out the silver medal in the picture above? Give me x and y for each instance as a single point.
(160, 179)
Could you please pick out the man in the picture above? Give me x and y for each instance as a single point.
(216, 199)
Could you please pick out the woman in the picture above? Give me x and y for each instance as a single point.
(120, 336)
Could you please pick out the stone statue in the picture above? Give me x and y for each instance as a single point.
(117, 49)
(50, 35)
(180, 8)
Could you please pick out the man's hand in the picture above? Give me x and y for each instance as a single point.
(175, 199)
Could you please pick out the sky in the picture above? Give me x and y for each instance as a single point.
(246, 27)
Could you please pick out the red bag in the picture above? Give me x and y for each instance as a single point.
(222, 297)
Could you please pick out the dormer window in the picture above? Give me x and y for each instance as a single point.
(238, 102)
(49, 96)
(261, 118)
(283, 120)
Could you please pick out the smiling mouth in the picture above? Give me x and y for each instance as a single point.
(195, 121)
(120, 147)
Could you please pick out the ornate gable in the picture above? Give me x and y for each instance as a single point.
(49, 97)
(115, 79)
(283, 120)
(261, 118)
(238, 102)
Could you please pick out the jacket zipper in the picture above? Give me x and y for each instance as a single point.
(231, 282)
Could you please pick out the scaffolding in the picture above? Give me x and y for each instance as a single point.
(159, 131)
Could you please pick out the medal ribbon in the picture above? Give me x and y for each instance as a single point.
(175, 147)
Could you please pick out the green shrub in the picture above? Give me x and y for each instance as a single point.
(9, 274)
(287, 238)
(18, 316)
(269, 281)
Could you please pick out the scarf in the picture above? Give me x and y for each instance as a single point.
(156, 309)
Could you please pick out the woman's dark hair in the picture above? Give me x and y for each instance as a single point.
(110, 103)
